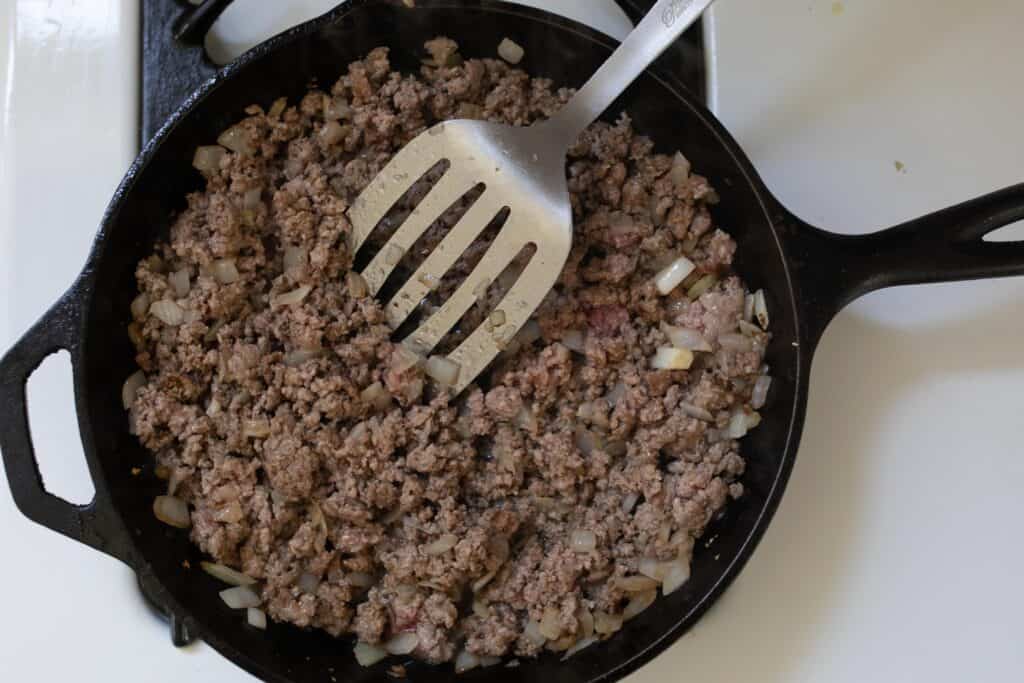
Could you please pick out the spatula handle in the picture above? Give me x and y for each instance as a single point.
(662, 26)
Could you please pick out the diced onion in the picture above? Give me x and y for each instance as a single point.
(511, 51)
(237, 140)
(240, 597)
(308, 583)
(294, 359)
(131, 387)
(636, 584)
(652, 568)
(696, 412)
(666, 358)
(443, 370)
(629, 502)
(257, 618)
(678, 573)
(680, 172)
(583, 541)
(296, 296)
(336, 108)
(702, 285)
(759, 396)
(741, 423)
(586, 619)
(735, 342)
(140, 306)
(573, 340)
(227, 574)
(530, 333)
(685, 338)
(357, 287)
(368, 655)
(167, 312)
(673, 275)
(482, 582)
(442, 545)
(749, 329)
(251, 198)
(525, 419)
(748, 307)
(172, 511)
(466, 661)
(332, 133)
(224, 271)
(761, 309)
(638, 604)
(607, 624)
(295, 259)
(377, 396)
(550, 624)
(403, 643)
(256, 428)
(533, 633)
(581, 644)
(207, 159)
(587, 441)
(359, 579)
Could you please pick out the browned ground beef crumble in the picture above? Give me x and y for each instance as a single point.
(411, 512)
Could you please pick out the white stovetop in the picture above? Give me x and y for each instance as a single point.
(896, 553)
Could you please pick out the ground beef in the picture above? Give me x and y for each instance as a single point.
(314, 452)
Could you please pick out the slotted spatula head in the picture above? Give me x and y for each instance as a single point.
(521, 172)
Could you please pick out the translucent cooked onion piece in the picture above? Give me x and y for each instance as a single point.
(441, 545)
(140, 306)
(377, 396)
(676, 575)
(607, 624)
(550, 624)
(573, 340)
(236, 139)
(227, 574)
(741, 423)
(207, 159)
(172, 511)
(357, 287)
(131, 387)
(257, 618)
(761, 309)
(759, 396)
(583, 541)
(696, 412)
(308, 583)
(673, 275)
(732, 341)
(636, 584)
(225, 271)
(638, 604)
(466, 661)
(368, 655)
(360, 580)
(295, 259)
(680, 172)
(701, 286)
(403, 643)
(179, 282)
(296, 296)
(671, 358)
(167, 312)
(442, 370)
(511, 51)
(685, 338)
(240, 597)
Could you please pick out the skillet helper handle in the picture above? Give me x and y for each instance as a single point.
(946, 246)
(93, 524)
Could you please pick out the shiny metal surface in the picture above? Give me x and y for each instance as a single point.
(522, 171)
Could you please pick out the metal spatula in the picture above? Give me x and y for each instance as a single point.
(522, 170)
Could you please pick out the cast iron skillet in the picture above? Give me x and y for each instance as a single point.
(808, 274)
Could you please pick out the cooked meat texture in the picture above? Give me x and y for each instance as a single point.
(309, 445)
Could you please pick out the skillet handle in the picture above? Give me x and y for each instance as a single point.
(832, 270)
(94, 524)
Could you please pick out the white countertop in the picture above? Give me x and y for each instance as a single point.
(895, 554)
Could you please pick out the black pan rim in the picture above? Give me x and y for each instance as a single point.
(773, 212)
